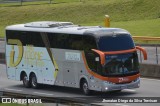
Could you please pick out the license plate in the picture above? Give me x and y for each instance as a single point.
(123, 87)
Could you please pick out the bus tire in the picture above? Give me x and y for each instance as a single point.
(26, 83)
(85, 88)
(34, 83)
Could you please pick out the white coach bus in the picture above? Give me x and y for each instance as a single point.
(64, 54)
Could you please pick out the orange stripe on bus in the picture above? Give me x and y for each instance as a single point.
(91, 72)
(115, 52)
(126, 79)
(102, 54)
(120, 52)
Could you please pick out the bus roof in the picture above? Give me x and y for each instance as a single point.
(64, 27)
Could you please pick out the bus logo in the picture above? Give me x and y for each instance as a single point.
(14, 63)
(123, 79)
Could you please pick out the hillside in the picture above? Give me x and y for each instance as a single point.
(90, 12)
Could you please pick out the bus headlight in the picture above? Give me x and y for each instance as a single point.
(106, 88)
(135, 80)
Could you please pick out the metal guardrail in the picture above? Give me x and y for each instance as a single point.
(146, 38)
(155, 51)
(153, 54)
(23, 1)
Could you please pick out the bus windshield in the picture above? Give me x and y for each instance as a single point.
(121, 65)
(116, 42)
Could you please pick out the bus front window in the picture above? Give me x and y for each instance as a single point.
(115, 43)
(121, 65)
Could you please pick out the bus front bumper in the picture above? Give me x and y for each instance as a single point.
(107, 86)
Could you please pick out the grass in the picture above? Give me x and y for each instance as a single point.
(140, 17)
(141, 27)
(137, 28)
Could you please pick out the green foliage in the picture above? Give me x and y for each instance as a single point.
(137, 16)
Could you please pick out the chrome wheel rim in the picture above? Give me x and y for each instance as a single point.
(25, 80)
(34, 81)
(85, 87)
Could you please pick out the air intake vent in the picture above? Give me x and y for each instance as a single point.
(47, 24)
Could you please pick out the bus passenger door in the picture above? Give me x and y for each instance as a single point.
(69, 74)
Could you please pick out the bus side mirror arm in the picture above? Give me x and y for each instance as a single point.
(143, 51)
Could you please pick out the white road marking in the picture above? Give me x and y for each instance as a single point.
(150, 79)
(43, 93)
(68, 96)
(121, 105)
(130, 90)
(13, 89)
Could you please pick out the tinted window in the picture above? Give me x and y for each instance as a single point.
(52, 40)
(75, 42)
(89, 43)
(35, 39)
(56, 40)
(16, 35)
(115, 43)
(121, 65)
(62, 41)
(27, 38)
(66, 41)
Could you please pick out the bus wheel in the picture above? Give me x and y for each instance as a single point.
(26, 82)
(85, 88)
(34, 83)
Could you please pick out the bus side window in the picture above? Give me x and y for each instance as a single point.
(75, 42)
(58, 40)
(35, 39)
(52, 40)
(66, 41)
(27, 38)
(20, 35)
(62, 41)
(89, 43)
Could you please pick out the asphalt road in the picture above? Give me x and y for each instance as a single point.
(2, 46)
(149, 88)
